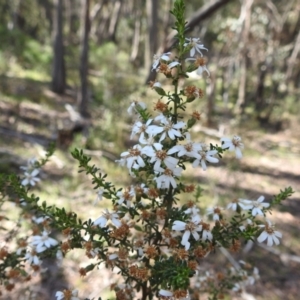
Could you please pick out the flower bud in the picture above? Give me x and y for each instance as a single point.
(191, 122)
(160, 91)
(191, 99)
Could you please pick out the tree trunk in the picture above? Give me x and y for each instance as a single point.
(166, 22)
(246, 15)
(83, 96)
(58, 68)
(259, 94)
(293, 58)
(151, 41)
(136, 35)
(95, 12)
(113, 24)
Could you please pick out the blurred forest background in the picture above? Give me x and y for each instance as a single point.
(69, 69)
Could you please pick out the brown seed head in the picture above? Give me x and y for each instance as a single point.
(189, 188)
(3, 252)
(236, 246)
(196, 115)
(153, 193)
(181, 254)
(151, 252)
(67, 231)
(161, 213)
(160, 106)
(13, 273)
(192, 264)
(200, 61)
(65, 246)
(82, 272)
(9, 287)
(200, 252)
(179, 294)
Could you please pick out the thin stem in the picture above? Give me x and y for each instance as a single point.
(144, 291)
(175, 101)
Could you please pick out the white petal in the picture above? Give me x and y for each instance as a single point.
(270, 240)
(275, 239)
(263, 236)
(173, 182)
(196, 219)
(203, 165)
(195, 235)
(238, 153)
(116, 222)
(185, 237)
(141, 162)
(165, 293)
(171, 134)
(171, 162)
(173, 64)
(40, 248)
(178, 225)
(196, 163)
(192, 51)
(212, 159)
(260, 199)
(200, 70)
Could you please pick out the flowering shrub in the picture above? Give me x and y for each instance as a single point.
(156, 243)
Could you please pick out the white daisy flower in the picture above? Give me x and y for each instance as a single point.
(190, 149)
(204, 157)
(215, 211)
(256, 205)
(234, 144)
(43, 242)
(272, 236)
(107, 215)
(196, 46)
(125, 196)
(30, 178)
(31, 256)
(206, 233)
(158, 156)
(167, 129)
(166, 179)
(133, 157)
(189, 228)
(237, 203)
(140, 128)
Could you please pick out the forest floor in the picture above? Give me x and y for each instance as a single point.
(271, 162)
